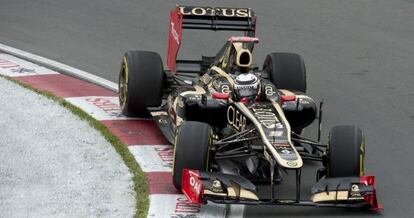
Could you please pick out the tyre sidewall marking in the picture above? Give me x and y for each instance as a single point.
(126, 74)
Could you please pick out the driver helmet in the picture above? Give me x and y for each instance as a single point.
(246, 85)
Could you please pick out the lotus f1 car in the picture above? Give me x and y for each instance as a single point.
(235, 126)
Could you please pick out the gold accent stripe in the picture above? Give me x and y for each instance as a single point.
(159, 113)
(361, 157)
(286, 92)
(333, 196)
(224, 74)
(126, 70)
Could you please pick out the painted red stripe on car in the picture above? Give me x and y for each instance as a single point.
(161, 183)
(136, 132)
(65, 86)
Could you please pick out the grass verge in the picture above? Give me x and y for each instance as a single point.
(140, 184)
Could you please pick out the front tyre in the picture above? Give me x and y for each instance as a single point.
(346, 152)
(140, 82)
(191, 149)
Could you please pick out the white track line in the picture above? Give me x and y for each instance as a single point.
(62, 68)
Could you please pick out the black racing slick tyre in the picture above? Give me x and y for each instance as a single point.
(140, 82)
(286, 71)
(191, 149)
(346, 152)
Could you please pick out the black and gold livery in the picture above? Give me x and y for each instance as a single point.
(235, 125)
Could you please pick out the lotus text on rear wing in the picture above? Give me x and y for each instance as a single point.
(210, 11)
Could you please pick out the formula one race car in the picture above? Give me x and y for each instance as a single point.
(235, 126)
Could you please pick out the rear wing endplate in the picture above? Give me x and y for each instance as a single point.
(206, 18)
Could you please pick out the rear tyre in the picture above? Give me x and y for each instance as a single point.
(140, 82)
(286, 71)
(191, 149)
(346, 152)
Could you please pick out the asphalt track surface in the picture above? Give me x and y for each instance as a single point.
(359, 57)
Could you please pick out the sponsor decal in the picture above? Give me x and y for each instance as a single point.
(175, 34)
(99, 107)
(211, 11)
(355, 188)
(105, 104)
(225, 88)
(304, 101)
(7, 64)
(163, 121)
(243, 39)
(14, 67)
(184, 206)
(206, 78)
(153, 158)
(184, 216)
(355, 191)
(269, 90)
(194, 97)
(22, 70)
(285, 151)
(195, 183)
(235, 118)
(277, 145)
(287, 201)
(174, 205)
(266, 117)
(292, 163)
(275, 133)
(216, 187)
(165, 154)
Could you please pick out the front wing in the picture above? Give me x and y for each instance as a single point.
(201, 187)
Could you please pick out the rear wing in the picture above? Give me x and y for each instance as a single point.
(206, 18)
